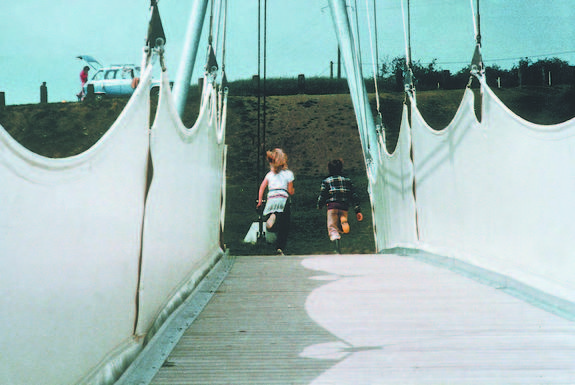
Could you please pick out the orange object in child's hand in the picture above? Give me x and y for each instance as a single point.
(359, 217)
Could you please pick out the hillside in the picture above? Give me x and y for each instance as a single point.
(312, 129)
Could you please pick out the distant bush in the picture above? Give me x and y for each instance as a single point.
(288, 86)
(426, 77)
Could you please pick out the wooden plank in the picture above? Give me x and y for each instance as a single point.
(367, 319)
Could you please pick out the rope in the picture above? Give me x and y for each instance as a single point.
(211, 35)
(376, 39)
(478, 25)
(408, 72)
(355, 36)
(473, 20)
(224, 33)
(372, 58)
(265, 71)
(259, 151)
(477, 67)
(356, 31)
(262, 111)
(406, 37)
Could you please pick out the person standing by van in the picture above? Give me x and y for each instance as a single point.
(83, 79)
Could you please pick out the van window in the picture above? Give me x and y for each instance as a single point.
(128, 73)
(111, 74)
(98, 75)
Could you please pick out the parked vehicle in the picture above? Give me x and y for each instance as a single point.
(115, 79)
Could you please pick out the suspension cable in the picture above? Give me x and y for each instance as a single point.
(259, 152)
(374, 64)
(408, 85)
(224, 34)
(477, 66)
(265, 75)
(478, 25)
(211, 30)
(356, 31)
(376, 39)
(406, 37)
(474, 20)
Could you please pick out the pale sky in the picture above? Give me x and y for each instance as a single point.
(41, 39)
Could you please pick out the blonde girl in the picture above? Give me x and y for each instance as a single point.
(279, 183)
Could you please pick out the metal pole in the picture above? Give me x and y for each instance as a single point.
(190, 50)
(355, 81)
(478, 25)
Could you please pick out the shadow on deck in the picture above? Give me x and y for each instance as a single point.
(354, 319)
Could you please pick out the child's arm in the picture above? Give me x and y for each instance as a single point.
(261, 191)
(322, 198)
(290, 188)
(355, 201)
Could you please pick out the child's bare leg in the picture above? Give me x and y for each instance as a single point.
(344, 222)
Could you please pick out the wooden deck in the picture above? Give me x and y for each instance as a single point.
(366, 319)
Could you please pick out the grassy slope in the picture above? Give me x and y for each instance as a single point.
(311, 128)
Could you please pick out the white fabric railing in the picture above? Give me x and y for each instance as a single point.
(496, 194)
(89, 265)
(392, 194)
(187, 184)
(70, 235)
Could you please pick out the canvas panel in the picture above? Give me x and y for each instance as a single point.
(182, 222)
(392, 194)
(497, 194)
(70, 235)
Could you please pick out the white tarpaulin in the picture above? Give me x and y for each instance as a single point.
(499, 194)
(392, 194)
(447, 168)
(182, 222)
(70, 236)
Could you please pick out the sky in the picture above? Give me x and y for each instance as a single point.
(39, 40)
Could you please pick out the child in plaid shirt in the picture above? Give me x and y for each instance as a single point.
(337, 193)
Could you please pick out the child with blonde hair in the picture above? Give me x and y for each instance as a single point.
(279, 182)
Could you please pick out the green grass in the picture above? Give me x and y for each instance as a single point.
(308, 231)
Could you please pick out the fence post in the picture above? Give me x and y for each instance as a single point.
(43, 93)
(90, 91)
(301, 83)
(256, 84)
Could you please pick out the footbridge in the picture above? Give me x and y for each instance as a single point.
(396, 318)
(113, 268)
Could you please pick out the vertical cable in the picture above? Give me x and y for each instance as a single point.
(474, 20)
(265, 74)
(224, 35)
(405, 35)
(409, 30)
(478, 25)
(376, 39)
(373, 59)
(259, 151)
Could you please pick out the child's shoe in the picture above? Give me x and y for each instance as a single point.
(345, 227)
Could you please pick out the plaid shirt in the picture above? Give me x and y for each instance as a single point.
(338, 191)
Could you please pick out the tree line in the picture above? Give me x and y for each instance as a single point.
(543, 72)
(391, 74)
